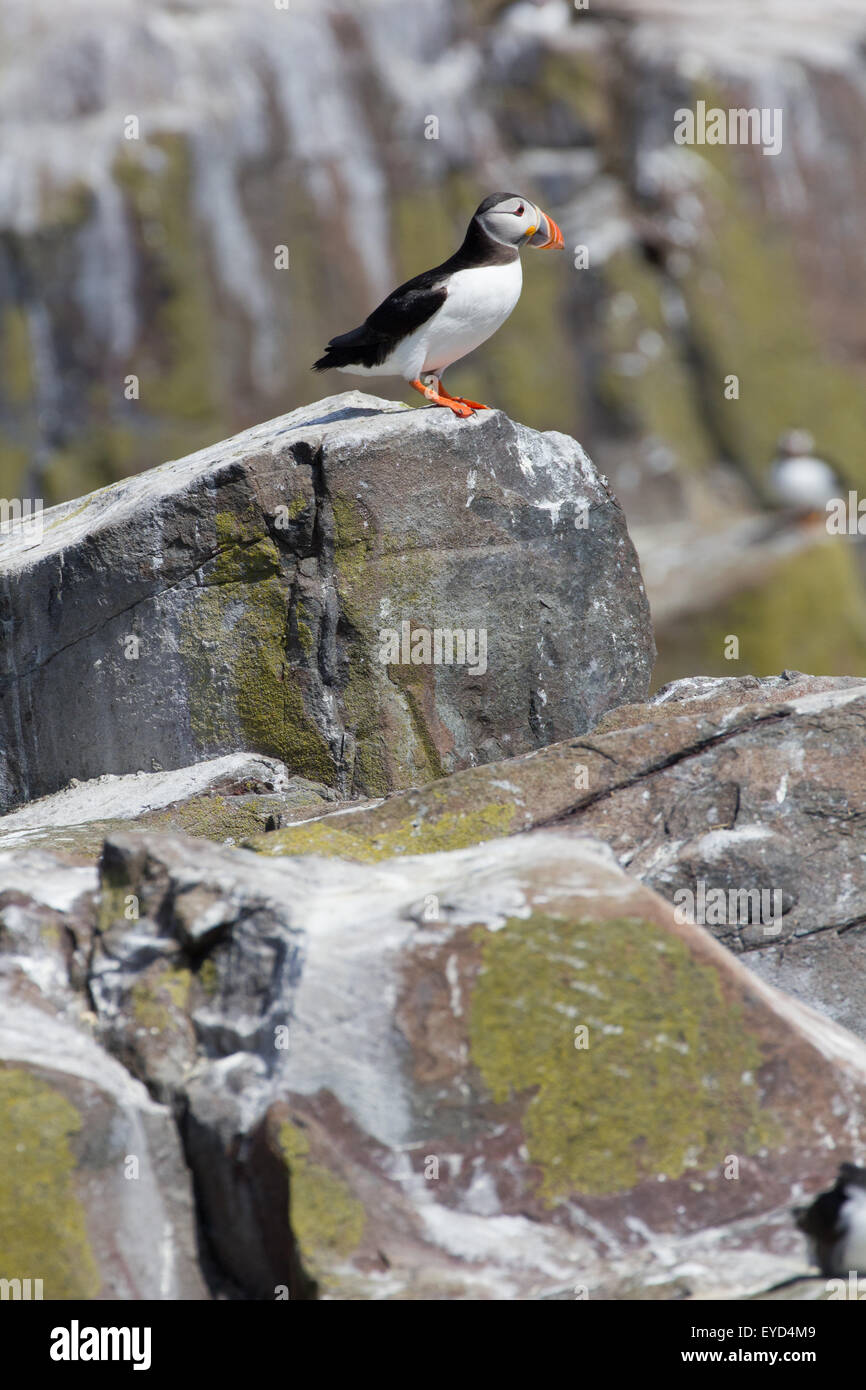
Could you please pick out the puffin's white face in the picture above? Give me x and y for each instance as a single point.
(515, 221)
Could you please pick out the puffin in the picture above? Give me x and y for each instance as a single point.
(800, 482)
(835, 1224)
(441, 315)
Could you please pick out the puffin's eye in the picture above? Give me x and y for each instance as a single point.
(520, 211)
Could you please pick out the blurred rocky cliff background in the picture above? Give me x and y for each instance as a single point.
(156, 154)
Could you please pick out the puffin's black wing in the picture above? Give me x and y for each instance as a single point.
(821, 1220)
(405, 309)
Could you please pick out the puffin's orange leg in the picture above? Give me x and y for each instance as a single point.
(476, 405)
(461, 408)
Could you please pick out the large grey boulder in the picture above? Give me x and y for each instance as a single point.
(500, 1072)
(249, 598)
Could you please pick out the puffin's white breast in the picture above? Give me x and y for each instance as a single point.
(803, 482)
(853, 1215)
(479, 301)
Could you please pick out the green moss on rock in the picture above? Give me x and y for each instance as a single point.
(297, 506)
(305, 637)
(665, 1084)
(367, 845)
(327, 1220)
(371, 567)
(411, 681)
(349, 527)
(216, 818)
(43, 1229)
(156, 1001)
(208, 976)
(233, 637)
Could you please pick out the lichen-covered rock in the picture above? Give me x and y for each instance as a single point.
(95, 1197)
(502, 1072)
(715, 787)
(249, 596)
(754, 824)
(226, 799)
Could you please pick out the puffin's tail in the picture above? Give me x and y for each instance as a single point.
(358, 348)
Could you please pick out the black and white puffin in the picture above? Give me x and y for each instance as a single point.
(441, 315)
(835, 1224)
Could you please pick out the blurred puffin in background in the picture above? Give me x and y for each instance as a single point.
(445, 313)
(835, 1224)
(799, 482)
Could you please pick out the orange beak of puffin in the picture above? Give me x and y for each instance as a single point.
(547, 234)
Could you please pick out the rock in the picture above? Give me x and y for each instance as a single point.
(227, 799)
(501, 1072)
(95, 1197)
(47, 916)
(235, 600)
(744, 786)
(771, 809)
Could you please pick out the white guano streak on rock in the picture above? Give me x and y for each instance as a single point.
(807, 704)
(46, 880)
(828, 699)
(717, 842)
(124, 797)
(35, 1038)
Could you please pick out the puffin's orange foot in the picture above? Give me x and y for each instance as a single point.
(475, 405)
(463, 409)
